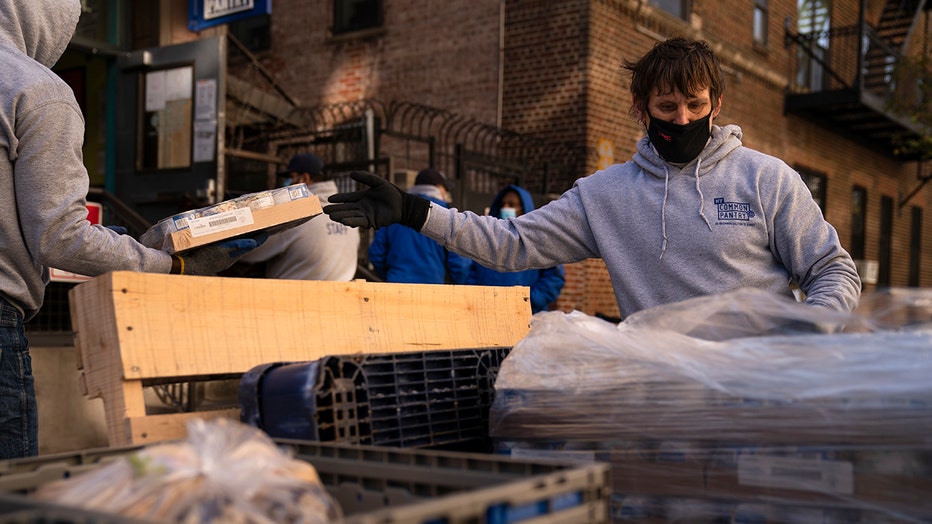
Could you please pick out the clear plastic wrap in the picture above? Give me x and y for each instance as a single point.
(224, 471)
(683, 398)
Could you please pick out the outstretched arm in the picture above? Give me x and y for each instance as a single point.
(382, 204)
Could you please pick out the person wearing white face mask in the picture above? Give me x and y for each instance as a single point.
(544, 284)
(693, 213)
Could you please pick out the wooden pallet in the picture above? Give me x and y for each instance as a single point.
(132, 330)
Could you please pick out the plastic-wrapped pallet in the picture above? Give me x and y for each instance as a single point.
(740, 403)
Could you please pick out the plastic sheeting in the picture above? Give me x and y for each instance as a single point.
(754, 396)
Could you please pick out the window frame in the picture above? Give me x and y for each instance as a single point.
(885, 241)
(760, 24)
(343, 10)
(255, 33)
(810, 176)
(915, 246)
(858, 243)
(685, 7)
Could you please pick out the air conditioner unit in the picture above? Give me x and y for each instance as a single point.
(404, 178)
(867, 270)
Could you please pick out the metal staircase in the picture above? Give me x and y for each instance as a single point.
(896, 24)
(854, 80)
(897, 21)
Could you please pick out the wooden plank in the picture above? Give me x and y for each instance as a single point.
(172, 426)
(123, 402)
(134, 326)
(184, 326)
(93, 319)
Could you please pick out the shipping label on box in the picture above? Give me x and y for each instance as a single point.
(214, 228)
(220, 222)
(822, 476)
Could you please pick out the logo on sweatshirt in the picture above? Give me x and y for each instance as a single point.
(735, 212)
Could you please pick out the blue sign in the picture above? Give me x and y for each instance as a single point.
(208, 13)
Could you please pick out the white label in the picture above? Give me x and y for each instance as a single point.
(263, 201)
(298, 192)
(220, 222)
(793, 473)
(217, 8)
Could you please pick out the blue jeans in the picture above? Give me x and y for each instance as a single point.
(19, 417)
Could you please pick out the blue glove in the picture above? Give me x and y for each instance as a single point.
(381, 205)
(214, 258)
(120, 230)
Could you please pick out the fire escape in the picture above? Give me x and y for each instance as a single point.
(856, 80)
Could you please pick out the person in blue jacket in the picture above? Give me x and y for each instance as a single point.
(401, 254)
(546, 284)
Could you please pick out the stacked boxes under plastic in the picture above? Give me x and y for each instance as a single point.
(791, 428)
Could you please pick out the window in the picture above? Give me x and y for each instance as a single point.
(355, 15)
(816, 183)
(813, 25)
(253, 32)
(101, 23)
(165, 136)
(680, 8)
(760, 22)
(858, 222)
(886, 241)
(915, 245)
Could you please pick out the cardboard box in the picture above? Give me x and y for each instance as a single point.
(272, 211)
(896, 479)
(241, 222)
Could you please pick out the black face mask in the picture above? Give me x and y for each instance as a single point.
(677, 143)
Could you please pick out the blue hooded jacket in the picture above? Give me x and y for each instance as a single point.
(545, 284)
(401, 254)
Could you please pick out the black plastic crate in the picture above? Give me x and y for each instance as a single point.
(431, 399)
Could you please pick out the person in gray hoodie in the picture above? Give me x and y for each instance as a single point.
(43, 214)
(693, 213)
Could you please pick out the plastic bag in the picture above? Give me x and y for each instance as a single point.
(224, 471)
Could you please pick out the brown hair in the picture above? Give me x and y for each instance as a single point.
(675, 64)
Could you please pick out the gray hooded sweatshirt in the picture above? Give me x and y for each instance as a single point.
(43, 182)
(731, 218)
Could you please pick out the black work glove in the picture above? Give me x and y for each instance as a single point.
(381, 205)
(214, 258)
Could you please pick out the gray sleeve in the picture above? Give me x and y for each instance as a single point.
(51, 193)
(810, 249)
(556, 233)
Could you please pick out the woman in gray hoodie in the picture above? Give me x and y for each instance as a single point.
(693, 213)
(43, 214)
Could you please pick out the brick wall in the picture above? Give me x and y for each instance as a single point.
(562, 80)
(441, 54)
(756, 76)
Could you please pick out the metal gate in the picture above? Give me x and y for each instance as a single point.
(397, 139)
